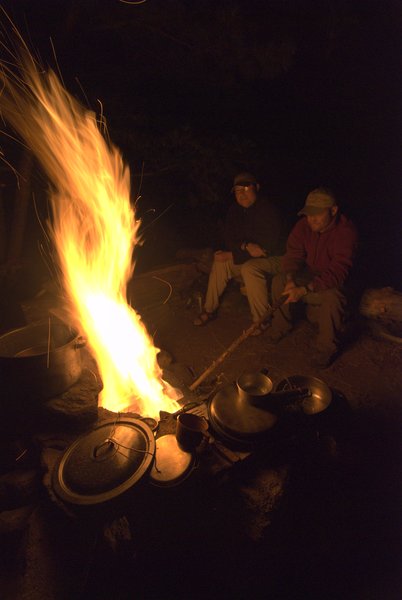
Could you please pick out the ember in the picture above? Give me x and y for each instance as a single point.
(94, 229)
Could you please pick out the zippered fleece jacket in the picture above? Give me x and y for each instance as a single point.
(328, 256)
(260, 224)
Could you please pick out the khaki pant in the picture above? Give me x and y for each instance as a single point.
(326, 308)
(253, 273)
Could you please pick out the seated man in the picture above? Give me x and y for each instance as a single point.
(252, 244)
(319, 256)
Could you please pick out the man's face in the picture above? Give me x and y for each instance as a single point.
(245, 195)
(320, 222)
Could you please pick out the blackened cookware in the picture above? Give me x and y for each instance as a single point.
(40, 360)
(247, 413)
(105, 463)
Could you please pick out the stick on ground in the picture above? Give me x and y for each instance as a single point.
(225, 354)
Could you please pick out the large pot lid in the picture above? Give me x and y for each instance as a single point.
(105, 462)
(237, 417)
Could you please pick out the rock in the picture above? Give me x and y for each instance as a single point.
(164, 359)
(18, 488)
(384, 304)
(77, 405)
(116, 533)
(179, 375)
(16, 452)
(156, 287)
(15, 520)
(202, 256)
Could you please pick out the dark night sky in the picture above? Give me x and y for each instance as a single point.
(303, 93)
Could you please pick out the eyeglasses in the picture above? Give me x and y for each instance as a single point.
(241, 188)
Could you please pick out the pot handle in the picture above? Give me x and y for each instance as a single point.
(80, 342)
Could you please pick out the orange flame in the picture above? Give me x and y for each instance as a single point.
(94, 229)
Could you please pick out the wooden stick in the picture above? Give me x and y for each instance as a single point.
(225, 354)
(234, 345)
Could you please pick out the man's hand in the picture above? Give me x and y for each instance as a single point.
(255, 250)
(222, 256)
(294, 292)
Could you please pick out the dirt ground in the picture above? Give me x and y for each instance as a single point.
(320, 519)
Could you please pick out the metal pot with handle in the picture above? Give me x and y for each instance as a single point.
(40, 361)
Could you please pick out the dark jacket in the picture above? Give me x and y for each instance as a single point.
(259, 224)
(328, 256)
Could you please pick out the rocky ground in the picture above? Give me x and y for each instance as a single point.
(316, 519)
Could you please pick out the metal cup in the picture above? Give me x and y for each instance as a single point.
(190, 430)
(251, 386)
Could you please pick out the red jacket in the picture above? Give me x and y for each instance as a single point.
(328, 255)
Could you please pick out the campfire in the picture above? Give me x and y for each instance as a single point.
(94, 229)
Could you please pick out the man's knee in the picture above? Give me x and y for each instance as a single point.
(333, 299)
(250, 269)
(218, 268)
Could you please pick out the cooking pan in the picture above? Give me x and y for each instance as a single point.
(320, 395)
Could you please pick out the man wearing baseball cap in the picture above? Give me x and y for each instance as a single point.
(252, 239)
(319, 256)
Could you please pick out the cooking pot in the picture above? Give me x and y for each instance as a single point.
(104, 464)
(235, 419)
(40, 361)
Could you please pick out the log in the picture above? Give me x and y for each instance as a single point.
(384, 304)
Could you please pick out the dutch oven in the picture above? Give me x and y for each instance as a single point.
(247, 413)
(104, 464)
(40, 360)
(118, 462)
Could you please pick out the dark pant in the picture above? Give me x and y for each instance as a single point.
(327, 308)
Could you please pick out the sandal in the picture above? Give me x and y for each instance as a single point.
(203, 319)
